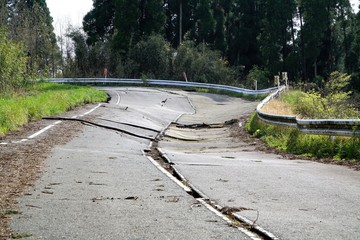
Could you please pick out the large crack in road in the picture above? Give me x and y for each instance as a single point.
(100, 185)
(244, 225)
(293, 199)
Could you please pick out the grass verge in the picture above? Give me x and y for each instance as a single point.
(43, 99)
(292, 141)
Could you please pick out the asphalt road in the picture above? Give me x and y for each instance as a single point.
(102, 186)
(293, 199)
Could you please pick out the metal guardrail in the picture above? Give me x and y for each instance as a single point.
(160, 83)
(332, 127)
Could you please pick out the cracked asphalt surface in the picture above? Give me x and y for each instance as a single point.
(100, 185)
(293, 199)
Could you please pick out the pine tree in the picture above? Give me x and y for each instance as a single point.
(3, 13)
(126, 24)
(99, 22)
(152, 18)
(205, 23)
(276, 35)
(243, 30)
(220, 29)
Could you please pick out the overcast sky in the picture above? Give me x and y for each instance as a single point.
(65, 12)
(73, 11)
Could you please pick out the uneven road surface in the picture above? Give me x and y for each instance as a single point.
(104, 183)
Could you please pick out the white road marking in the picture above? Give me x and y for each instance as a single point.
(41, 131)
(241, 229)
(119, 98)
(22, 140)
(91, 110)
(156, 164)
(202, 201)
(48, 127)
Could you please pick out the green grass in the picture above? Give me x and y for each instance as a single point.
(43, 99)
(291, 97)
(291, 140)
(12, 212)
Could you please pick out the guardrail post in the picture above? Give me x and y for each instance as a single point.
(256, 86)
(277, 81)
(185, 77)
(285, 77)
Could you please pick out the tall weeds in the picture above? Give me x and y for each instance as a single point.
(292, 141)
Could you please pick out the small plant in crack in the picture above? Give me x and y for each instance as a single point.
(20, 235)
(12, 212)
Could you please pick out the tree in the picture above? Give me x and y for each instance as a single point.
(3, 13)
(31, 23)
(135, 20)
(152, 18)
(275, 35)
(202, 65)
(151, 58)
(81, 66)
(243, 30)
(181, 19)
(352, 59)
(12, 64)
(220, 29)
(99, 22)
(126, 25)
(205, 23)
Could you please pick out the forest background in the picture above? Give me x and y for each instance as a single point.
(215, 41)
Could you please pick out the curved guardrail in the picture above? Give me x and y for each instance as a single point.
(332, 127)
(159, 83)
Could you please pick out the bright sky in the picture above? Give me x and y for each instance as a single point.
(65, 12)
(73, 11)
(355, 5)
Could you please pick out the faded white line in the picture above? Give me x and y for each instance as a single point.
(56, 123)
(156, 164)
(202, 201)
(22, 140)
(225, 218)
(99, 105)
(41, 131)
(119, 98)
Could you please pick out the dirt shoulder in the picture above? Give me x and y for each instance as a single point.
(21, 163)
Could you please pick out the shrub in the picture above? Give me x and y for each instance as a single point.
(12, 65)
(260, 75)
(333, 101)
(151, 58)
(202, 65)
